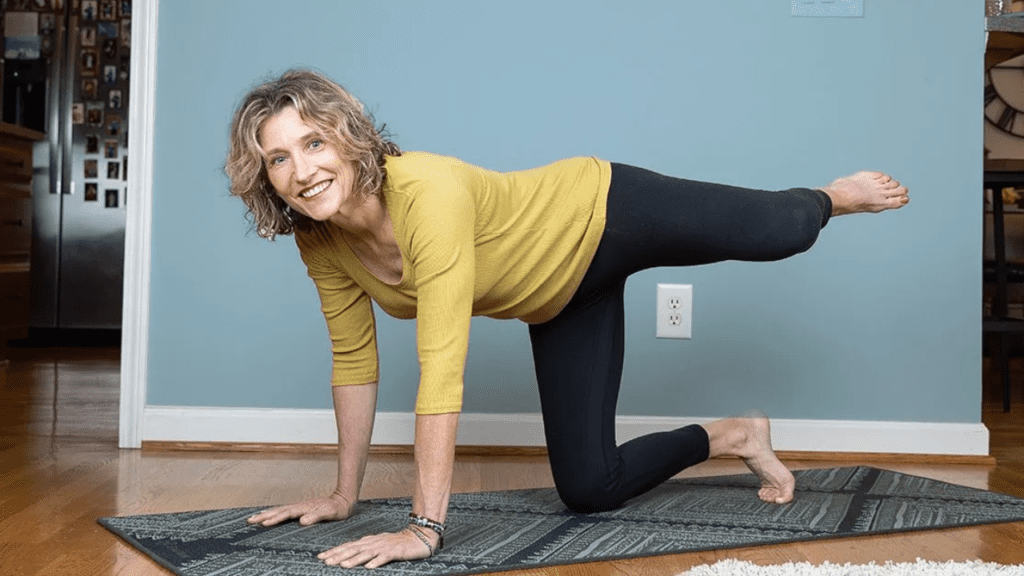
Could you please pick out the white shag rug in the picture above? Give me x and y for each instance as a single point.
(919, 568)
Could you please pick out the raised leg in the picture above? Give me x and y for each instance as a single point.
(655, 220)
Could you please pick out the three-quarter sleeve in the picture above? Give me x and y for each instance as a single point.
(348, 311)
(440, 232)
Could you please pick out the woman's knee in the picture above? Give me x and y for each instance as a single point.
(804, 233)
(798, 223)
(587, 496)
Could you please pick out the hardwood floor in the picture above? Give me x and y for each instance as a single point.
(60, 469)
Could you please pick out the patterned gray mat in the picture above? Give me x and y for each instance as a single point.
(497, 531)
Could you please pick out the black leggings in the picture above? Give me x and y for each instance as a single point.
(653, 220)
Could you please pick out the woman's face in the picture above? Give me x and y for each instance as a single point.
(304, 168)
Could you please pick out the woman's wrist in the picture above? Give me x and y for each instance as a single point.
(348, 504)
(432, 529)
(429, 538)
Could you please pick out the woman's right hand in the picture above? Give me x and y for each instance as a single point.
(309, 512)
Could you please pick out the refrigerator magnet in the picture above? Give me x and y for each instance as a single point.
(110, 47)
(89, 10)
(87, 36)
(90, 62)
(94, 114)
(89, 88)
(108, 11)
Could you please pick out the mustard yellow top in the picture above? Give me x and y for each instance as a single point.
(473, 242)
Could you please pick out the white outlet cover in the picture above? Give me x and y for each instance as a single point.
(666, 326)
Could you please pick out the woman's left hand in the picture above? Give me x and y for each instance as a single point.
(377, 550)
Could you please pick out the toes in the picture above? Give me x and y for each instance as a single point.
(774, 496)
(898, 192)
(890, 184)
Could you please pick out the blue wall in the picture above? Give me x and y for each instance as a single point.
(880, 321)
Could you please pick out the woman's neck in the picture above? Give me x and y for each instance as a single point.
(367, 222)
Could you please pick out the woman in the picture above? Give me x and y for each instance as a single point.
(439, 240)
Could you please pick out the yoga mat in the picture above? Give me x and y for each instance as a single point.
(497, 531)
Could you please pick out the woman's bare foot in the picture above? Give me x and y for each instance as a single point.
(749, 437)
(866, 192)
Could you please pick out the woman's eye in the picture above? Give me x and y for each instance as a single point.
(277, 160)
(315, 144)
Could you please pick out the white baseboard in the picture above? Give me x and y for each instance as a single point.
(257, 425)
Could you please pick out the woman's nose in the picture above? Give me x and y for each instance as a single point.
(304, 169)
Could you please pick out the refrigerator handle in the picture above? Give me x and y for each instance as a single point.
(68, 96)
(55, 86)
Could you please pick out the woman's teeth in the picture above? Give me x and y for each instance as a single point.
(315, 190)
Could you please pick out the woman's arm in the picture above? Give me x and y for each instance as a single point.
(354, 409)
(435, 462)
(349, 314)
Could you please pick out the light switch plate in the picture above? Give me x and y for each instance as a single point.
(828, 8)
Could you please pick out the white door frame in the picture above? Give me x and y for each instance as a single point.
(138, 224)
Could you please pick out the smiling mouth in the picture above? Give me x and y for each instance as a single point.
(315, 190)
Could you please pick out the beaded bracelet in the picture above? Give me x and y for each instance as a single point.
(424, 522)
(423, 539)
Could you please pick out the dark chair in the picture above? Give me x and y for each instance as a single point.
(999, 323)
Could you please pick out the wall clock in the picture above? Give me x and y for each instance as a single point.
(1004, 98)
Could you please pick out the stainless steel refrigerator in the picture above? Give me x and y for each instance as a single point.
(66, 70)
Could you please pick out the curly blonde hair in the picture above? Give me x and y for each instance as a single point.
(322, 103)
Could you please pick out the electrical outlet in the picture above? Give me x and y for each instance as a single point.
(674, 309)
